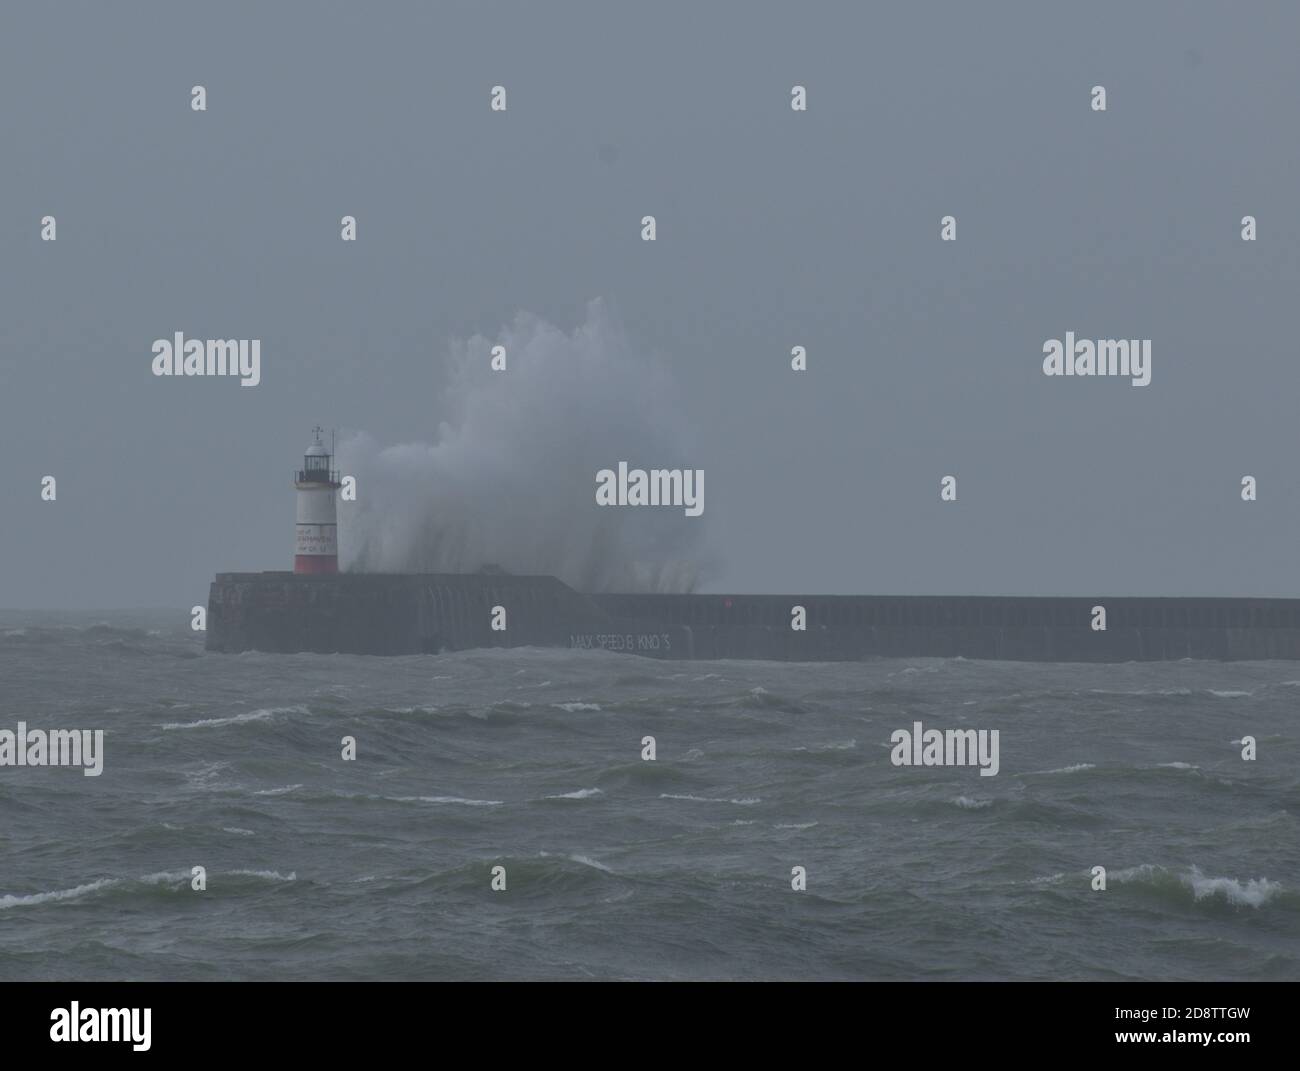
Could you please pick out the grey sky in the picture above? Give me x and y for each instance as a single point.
(774, 229)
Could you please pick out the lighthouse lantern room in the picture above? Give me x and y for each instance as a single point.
(316, 549)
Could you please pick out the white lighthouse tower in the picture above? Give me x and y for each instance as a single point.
(316, 549)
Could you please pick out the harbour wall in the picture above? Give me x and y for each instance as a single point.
(390, 614)
(428, 613)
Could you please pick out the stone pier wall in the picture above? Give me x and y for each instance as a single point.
(428, 613)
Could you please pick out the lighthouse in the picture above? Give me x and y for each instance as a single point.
(316, 549)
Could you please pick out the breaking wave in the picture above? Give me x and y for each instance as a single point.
(528, 442)
(1254, 892)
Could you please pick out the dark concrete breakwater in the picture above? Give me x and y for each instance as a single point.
(428, 613)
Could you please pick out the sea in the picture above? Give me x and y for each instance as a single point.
(502, 818)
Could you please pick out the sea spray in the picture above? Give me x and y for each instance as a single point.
(506, 480)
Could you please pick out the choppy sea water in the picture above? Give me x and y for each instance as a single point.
(620, 868)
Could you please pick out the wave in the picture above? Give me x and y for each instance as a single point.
(58, 894)
(236, 719)
(760, 698)
(267, 875)
(1048, 879)
(847, 745)
(747, 801)
(640, 773)
(1076, 768)
(1253, 893)
(504, 448)
(1176, 693)
(578, 857)
(102, 636)
(543, 875)
(580, 794)
(321, 794)
(166, 882)
(63, 633)
(1256, 892)
(1015, 812)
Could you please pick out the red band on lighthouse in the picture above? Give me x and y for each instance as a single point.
(318, 564)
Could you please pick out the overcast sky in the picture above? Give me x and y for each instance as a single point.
(775, 229)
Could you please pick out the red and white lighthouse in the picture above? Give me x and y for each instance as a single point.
(316, 549)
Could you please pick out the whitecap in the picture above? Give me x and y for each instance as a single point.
(252, 715)
(57, 894)
(267, 875)
(1253, 893)
(577, 857)
(1069, 769)
(166, 877)
(1050, 879)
